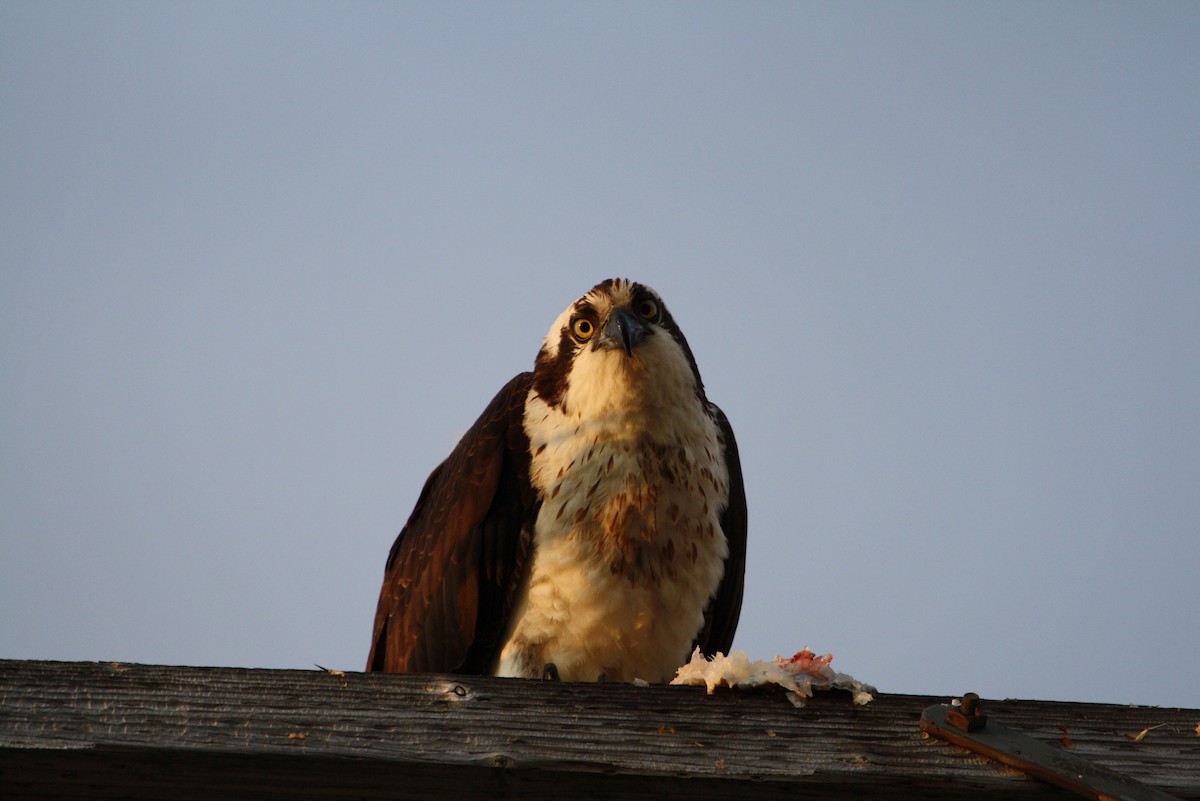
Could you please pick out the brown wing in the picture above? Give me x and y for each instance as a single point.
(721, 617)
(450, 577)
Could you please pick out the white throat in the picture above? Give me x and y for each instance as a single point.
(628, 547)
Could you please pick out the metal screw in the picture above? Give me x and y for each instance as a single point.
(968, 716)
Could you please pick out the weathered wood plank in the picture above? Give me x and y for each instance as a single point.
(142, 731)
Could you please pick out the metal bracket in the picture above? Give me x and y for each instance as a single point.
(967, 726)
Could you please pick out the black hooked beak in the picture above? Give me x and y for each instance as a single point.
(622, 329)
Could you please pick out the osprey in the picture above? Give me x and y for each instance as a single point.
(591, 524)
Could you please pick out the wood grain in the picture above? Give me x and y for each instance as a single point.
(104, 730)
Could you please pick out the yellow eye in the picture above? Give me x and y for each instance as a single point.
(582, 328)
(648, 309)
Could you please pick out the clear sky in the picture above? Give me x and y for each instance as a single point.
(262, 263)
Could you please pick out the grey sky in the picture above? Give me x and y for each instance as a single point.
(262, 263)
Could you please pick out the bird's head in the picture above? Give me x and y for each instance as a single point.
(617, 345)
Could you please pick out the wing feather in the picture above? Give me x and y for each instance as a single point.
(448, 585)
(721, 617)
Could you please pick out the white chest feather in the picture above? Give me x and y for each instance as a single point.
(628, 543)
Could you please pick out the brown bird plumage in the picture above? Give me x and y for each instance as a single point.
(459, 575)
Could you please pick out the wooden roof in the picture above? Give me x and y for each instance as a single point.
(108, 730)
